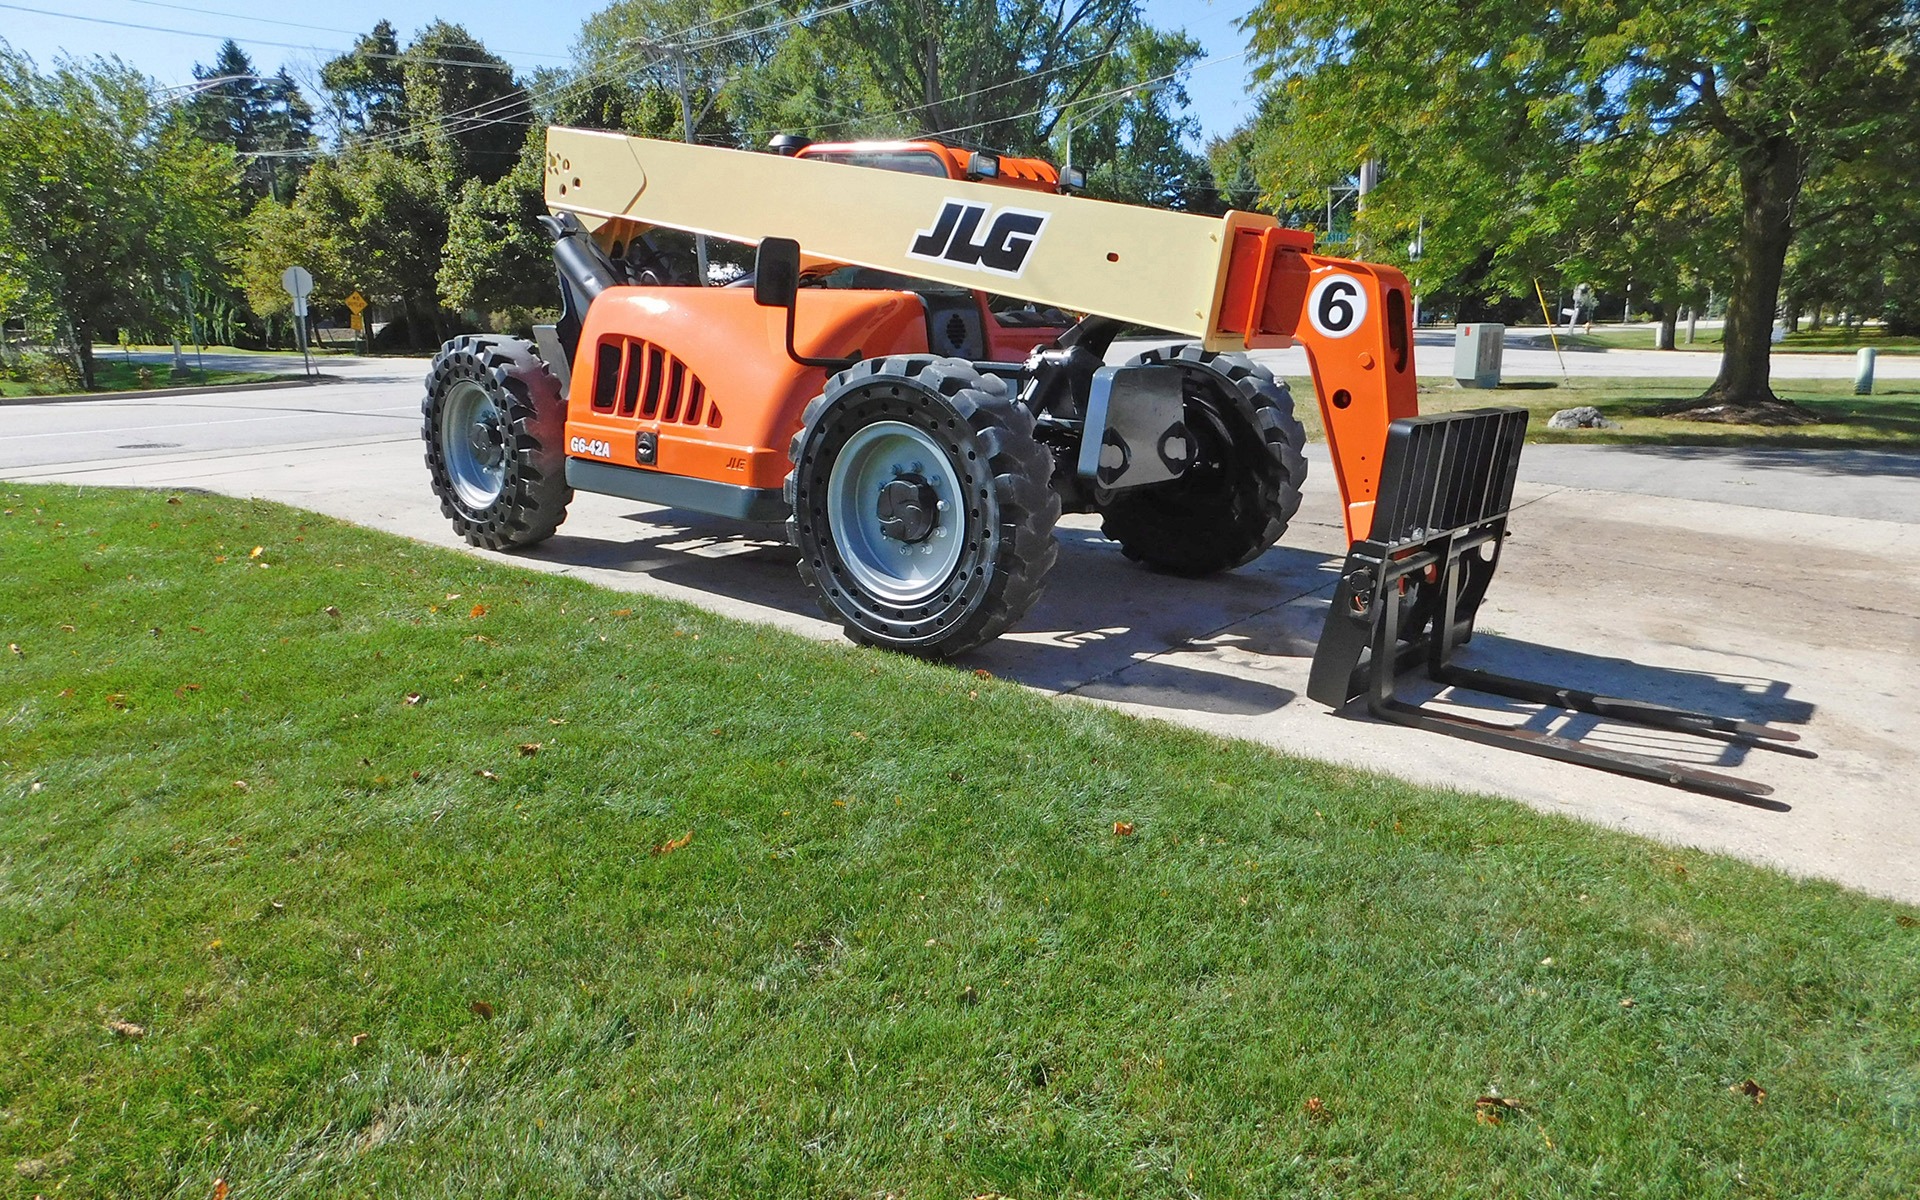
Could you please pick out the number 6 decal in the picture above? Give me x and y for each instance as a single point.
(1337, 305)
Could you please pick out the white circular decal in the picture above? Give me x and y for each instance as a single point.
(1337, 305)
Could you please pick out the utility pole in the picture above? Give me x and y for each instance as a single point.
(686, 135)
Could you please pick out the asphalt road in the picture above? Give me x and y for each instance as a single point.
(1771, 587)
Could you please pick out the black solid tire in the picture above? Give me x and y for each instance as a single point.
(989, 442)
(534, 500)
(1217, 519)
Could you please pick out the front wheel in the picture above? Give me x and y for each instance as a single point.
(920, 505)
(494, 422)
(1244, 485)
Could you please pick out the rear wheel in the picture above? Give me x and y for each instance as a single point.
(494, 422)
(920, 505)
(1244, 486)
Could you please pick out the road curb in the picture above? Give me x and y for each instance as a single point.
(151, 393)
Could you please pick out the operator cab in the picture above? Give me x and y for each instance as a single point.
(960, 323)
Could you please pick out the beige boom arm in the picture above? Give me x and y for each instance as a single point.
(1164, 270)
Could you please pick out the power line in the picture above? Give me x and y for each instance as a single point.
(488, 108)
(448, 62)
(209, 12)
(993, 87)
(1111, 92)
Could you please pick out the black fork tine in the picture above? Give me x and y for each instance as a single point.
(1446, 485)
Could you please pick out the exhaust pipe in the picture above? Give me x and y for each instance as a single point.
(584, 270)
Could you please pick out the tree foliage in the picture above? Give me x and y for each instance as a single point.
(110, 206)
(1622, 137)
(266, 120)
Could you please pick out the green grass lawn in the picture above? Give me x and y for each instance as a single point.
(1887, 420)
(1833, 339)
(116, 374)
(332, 864)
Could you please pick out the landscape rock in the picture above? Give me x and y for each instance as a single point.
(1584, 417)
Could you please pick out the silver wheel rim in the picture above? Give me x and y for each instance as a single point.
(899, 572)
(473, 442)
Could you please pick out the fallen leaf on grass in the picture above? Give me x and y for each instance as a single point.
(529, 749)
(982, 673)
(66, 629)
(359, 1038)
(256, 552)
(242, 785)
(1491, 1110)
(622, 612)
(481, 1009)
(117, 700)
(477, 611)
(486, 775)
(556, 720)
(173, 499)
(1123, 829)
(1751, 1090)
(127, 1029)
(17, 651)
(184, 688)
(331, 610)
(1316, 1108)
(412, 699)
(1906, 922)
(219, 1190)
(679, 843)
(968, 996)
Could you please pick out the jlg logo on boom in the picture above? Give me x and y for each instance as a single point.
(956, 237)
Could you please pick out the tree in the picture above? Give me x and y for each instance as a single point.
(367, 218)
(424, 129)
(464, 107)
(998, 73)
(106, 201)
(265, 119)
(366, 88)
(497, 258)
(1773, 91)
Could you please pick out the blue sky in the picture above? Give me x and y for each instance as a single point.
(1218, 91)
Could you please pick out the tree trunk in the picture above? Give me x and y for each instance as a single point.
(1669, 321)
(1769, 185)
(82, 338)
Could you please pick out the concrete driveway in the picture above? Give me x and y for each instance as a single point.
(1766, 585)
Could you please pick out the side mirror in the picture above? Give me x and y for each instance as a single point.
(983, 165)
(776, 272)
(776, 284)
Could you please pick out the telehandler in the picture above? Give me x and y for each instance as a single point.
(914, 380)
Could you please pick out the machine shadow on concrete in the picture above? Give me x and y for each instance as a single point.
(1234, 644)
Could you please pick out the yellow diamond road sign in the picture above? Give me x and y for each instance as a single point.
(356, 304)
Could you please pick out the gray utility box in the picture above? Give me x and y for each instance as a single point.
(1476, 354)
